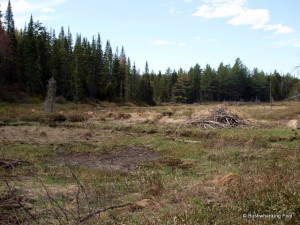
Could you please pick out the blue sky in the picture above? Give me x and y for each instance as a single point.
(181, 33)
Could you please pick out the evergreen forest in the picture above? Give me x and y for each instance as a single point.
(91, 70)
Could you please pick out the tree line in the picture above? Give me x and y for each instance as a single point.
(85, 69)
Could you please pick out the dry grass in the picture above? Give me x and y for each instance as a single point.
(200, 177)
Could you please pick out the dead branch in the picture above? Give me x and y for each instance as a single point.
(219, 118)
(54, 203)
(90, 215)
(80, 187)
(12, 192)
(10, 163)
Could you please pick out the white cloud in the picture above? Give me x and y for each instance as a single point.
(280, 29)
(238, 14)
(219, 9)
(256, 18)
(163, 42)
(188, 0)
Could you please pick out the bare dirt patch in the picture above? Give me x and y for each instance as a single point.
(123, 160)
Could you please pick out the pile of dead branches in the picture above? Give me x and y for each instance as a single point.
(218, 118)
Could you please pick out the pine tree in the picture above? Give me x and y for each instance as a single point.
(156, 84)
(107, 71)
(92, 78)
(77, 74)
(166, 86)
(180, 88)
(135, 82)
(9, 21)
(31, 77)
(8, 48)
(2, 79)
(259, 84)
(194, 94)
(209, 84)
(115, 81)
(61, 62)
(223, 74)
(239, 76)
(145, 92)
(123, 68)
(129, 89)
(1, 26)
(98, 67)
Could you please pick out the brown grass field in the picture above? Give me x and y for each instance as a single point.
(110, 164)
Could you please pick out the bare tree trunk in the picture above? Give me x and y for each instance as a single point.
(51, 91)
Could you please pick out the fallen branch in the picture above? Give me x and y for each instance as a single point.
(90, 215)
(187, 141)
(10, 163)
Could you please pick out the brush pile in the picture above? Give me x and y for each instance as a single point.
(218, 118)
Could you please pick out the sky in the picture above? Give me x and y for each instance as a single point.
(180, 33)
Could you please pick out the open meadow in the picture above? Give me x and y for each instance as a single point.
(171, 164)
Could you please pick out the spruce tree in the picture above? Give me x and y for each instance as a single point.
(145, 92)
(30, 68)
(107, 70)
(194, 94)
(239, 75)
(135, 82)
(209, 84)
(123, 65)
(156, 84)
(128, 82)
(99, 65)
(180, 88)
(9, 20)
(77, 74)
(1, 26)
(1, 50)
(223, 74)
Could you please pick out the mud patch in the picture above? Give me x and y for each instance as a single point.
(123, 160)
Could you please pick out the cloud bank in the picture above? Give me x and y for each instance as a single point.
(239, 14)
